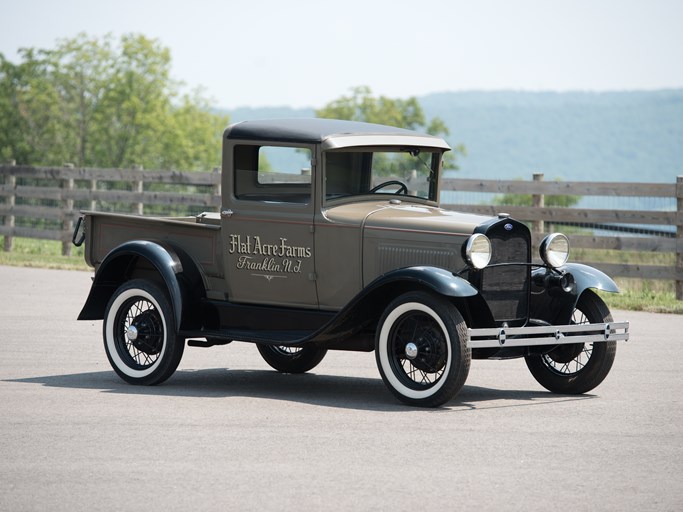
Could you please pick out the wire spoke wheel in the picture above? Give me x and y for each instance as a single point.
(421, 349)
(296, 359)
(572, 367)
(570, 360)
(139, 332)
(418, 334)
(577, 368)
(287, 351)
(139, 335)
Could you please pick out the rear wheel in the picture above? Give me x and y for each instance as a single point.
(421, 349)
(139, 335)
(292, 359)
(577, 368)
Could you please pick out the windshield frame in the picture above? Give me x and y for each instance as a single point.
(360, 160)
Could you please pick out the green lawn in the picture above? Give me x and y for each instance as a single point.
(641, 295)
(29, 252)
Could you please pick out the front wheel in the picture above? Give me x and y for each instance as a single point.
(577, 368)
(421, 349)
(291, 359)
(139, 334)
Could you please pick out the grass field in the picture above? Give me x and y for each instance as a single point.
(29, 252)
(636, 294)
(643, 295)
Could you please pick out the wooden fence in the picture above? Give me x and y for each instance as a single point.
(40, 202)
(637, 230)
(49, 199)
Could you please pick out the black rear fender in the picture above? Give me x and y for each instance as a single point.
(156, 261)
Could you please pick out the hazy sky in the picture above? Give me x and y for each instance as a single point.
(308, 52)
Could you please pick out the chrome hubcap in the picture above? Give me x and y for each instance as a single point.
(132, 333)
(411, 350)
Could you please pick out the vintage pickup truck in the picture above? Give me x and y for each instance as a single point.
(330, 237)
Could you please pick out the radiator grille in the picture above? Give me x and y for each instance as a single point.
(506, 288)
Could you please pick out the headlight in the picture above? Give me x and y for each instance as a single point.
(555, 250)
(477, 251)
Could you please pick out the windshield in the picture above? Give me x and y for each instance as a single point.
(396, 171)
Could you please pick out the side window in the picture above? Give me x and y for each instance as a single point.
(273, 173)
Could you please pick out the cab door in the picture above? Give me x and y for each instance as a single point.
(267, 231)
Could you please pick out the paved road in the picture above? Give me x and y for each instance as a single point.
(226, 432)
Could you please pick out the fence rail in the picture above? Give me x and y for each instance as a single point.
(43, 202)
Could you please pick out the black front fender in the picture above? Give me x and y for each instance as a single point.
(587, 277)
(555, 305)
(366, 307)
(437, 279)
(176, 270)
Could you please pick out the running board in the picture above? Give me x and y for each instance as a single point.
(497, 337)
(268, 337)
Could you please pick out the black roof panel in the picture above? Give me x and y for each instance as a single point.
(312, 130)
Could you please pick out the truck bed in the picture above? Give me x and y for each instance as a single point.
(199, 236)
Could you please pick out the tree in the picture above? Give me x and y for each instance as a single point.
(29, 116)
(560, 201)
(361, 105)
(104, 103)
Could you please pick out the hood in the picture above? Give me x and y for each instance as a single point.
(405, 217)
(423, 219)
(407, 234)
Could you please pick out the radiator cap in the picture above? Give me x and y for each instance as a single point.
(503, 215)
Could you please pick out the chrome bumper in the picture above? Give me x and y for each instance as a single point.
(498, 337)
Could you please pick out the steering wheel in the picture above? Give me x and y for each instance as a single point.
(402, 189)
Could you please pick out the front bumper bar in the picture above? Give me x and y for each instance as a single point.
(498, 337)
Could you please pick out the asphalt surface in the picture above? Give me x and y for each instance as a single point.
(226, 432)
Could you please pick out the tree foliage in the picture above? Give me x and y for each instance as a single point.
(559, 201)
(104, 103)
(361, 105)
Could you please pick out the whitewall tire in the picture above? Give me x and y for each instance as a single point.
(139, 333)
(421, 349)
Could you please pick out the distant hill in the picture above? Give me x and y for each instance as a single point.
(611, 136)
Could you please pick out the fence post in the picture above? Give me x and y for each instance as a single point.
(10, 182)
(67, 213)
(679, 238)
(139, 187)
(538, 201)
(93, 189)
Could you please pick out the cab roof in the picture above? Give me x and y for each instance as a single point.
(331, 133)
